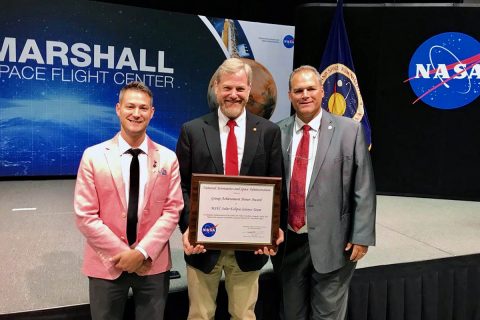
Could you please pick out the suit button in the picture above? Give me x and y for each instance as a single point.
(124, 215)
(122, 237)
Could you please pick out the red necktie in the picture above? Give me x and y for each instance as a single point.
(296, 208)
(231, 161)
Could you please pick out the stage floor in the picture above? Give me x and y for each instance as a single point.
(41, 249)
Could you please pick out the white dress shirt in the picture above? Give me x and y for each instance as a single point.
(312, 151)
(126, 159)
(240, 130)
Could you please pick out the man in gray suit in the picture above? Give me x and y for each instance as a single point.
(332, 203)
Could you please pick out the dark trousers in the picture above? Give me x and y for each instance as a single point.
(108, 297)
(307, 294)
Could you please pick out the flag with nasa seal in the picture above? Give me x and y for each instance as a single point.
(342, 92)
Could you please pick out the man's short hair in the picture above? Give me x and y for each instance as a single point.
(233, 65)
(303, 68)
(136, 85)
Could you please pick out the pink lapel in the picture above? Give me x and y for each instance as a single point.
(153, 167)
(113, 160)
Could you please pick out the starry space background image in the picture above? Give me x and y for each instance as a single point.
(50, 111)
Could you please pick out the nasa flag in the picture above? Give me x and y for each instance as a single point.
(342, 93)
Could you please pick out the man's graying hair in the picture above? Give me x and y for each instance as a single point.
(303, 68)
(233, 65)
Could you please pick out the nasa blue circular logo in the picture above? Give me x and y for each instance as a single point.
(209, 229)
(444, 71)
(288, 41)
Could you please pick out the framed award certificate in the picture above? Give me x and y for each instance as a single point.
(234, 212)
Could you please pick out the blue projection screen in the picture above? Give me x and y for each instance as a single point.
(62, 64)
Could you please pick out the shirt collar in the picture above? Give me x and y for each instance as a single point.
(314, 124)
(123, 145)
(223, 119)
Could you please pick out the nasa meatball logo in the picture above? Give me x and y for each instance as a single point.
(288, 41)
(341, 90)
(209, 229)
(444, 71)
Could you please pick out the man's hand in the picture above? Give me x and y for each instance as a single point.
(188, 248)
(358, 251)
(129, 260)
(271, 252)
(144, 268)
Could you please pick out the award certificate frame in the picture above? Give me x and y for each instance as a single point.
(234, 212)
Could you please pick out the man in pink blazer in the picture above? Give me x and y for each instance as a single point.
(117, 259)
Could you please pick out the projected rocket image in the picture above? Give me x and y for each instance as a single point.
(263, 96)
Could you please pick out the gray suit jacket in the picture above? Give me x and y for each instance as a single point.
(341, 200)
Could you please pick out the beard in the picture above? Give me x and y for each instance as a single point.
(233, 111)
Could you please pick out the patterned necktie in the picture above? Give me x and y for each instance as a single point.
(231, 154)
(132, 215)
(296, 208)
